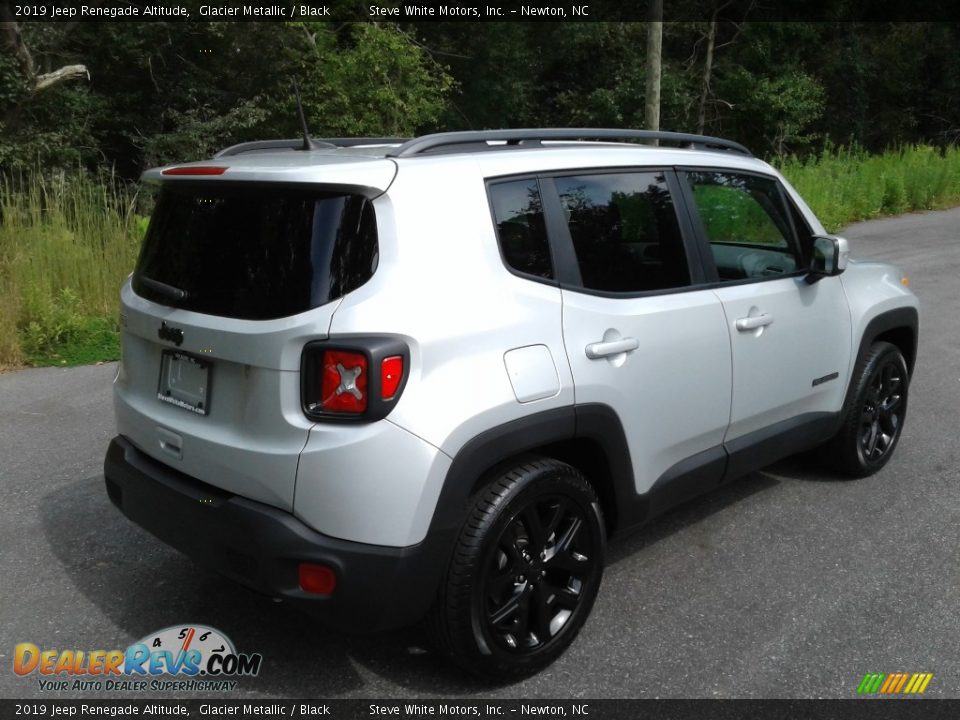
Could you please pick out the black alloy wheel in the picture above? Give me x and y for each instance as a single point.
(525, 571)
(537, 575)
(875, 412)
(881, 419)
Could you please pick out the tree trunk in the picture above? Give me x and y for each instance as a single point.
(654, 57)
(707, 70)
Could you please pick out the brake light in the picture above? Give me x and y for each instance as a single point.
(360, 380)
(391, 373)
(195, 170)
(344, 384)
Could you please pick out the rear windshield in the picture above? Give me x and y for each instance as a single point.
(255, 252)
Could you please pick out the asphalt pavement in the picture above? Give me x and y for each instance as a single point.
(788, 583)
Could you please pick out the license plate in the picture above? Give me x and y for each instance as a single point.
(184, 382)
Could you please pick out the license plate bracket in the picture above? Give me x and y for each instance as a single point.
(184, 381)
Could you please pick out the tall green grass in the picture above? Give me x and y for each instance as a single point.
(845, 185)
(66, 243)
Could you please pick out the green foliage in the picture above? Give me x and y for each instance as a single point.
(369, 80)
(163, 92)
(88, 340)
(66, 244)
(50, 128)
(48, 322)
(845, 185)
(778, 109)
(200, 132)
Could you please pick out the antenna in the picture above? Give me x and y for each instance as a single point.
(307, 142)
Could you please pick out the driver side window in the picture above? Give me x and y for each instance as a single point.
(747, 224)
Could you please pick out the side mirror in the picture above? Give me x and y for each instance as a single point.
(828, 257)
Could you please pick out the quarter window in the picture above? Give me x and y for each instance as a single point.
(625, 231)
(518, 214)
(747, 224)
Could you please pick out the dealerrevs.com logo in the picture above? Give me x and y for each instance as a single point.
(894, 683)
(178, 658)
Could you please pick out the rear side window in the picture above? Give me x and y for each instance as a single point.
(625, 231)
(518, 214)
(255, 252)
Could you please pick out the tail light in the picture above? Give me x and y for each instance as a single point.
(360, 381)
(343, 387)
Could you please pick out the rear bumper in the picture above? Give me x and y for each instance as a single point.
(261, 546)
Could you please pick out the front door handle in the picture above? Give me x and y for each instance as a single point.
(752, 323)
(598, 350)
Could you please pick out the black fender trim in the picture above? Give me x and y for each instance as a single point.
(479, 458)
(904, 317)
(897, 319)
(489, 448)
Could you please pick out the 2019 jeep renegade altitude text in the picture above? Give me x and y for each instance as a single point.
(390, 380)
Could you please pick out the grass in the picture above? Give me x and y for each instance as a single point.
(66, 244)
(846, 185)
(67, 241)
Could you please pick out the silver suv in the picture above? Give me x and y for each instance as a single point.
(391, 380)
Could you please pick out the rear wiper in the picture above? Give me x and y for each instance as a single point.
(174, 293)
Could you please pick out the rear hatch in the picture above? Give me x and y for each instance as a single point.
(236, 274)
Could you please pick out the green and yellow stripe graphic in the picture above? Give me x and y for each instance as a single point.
(894, 683)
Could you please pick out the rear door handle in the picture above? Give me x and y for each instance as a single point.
(752, 323)
(598, 350)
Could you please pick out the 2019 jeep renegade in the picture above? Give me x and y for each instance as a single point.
(392, 379)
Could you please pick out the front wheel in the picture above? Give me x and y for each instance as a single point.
(875, 414)
(525, 571)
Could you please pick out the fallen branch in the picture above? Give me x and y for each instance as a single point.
(67, 72)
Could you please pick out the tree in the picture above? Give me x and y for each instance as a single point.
(654, 65)
(163, 92)
(369, 79)
(34, 80)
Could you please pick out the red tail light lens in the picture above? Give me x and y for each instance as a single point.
(356, 379)
(391, 373)
(344, 384)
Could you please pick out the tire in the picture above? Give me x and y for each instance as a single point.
(875, 413)
(525, 571)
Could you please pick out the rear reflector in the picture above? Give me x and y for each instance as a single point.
(344, 385)
(195, 170)
(317, 579)
(391, 373)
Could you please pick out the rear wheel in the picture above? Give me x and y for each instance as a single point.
(874, 421)
(525, 571)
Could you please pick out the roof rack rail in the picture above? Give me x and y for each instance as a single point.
(297, 144)
(440, 142)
